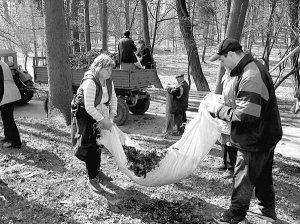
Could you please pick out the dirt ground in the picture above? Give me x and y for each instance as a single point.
(44, 183)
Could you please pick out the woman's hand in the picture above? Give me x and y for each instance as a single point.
(106, 123)
(111, 117)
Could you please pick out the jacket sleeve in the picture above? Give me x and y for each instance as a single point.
(251, 90)
(174, 91)
(133, 47)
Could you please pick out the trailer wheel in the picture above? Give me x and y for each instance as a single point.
(141, 106)
(122, 112)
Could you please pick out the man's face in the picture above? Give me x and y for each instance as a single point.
(227, 61)
(179, 79)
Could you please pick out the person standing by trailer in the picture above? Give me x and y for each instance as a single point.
(126, 49)
(143, 53)
(9, 94)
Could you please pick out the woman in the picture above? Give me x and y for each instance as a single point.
(9, 94)
(93, 109)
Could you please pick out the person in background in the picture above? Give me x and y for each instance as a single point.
(126, 49)
(93, 109)
(228, 152)
(180, 102)
(9, 94)
(144, 55)
(255, 131)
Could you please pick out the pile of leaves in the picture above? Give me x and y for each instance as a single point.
(186, 211)
(142, 162)
(83, 60)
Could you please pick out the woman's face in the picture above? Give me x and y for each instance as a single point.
(105, 73)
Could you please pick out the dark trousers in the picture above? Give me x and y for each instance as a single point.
(229, 156)
(253, 170)
(84, 142)
(93, 160)
(11, 132)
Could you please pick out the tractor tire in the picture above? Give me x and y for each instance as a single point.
(27, 94)
(122, 112)
(141, 106)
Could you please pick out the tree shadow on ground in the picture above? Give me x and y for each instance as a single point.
(43, 131)
(16, 209)
(42, 159)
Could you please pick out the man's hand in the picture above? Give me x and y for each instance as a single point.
(169, 89)
(213, 107)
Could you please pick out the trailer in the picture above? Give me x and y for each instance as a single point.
(130, 87)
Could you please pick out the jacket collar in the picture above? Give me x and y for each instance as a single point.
(241, 65)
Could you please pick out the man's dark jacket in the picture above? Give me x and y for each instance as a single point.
(126, 49)
(256, 124)
(180, 103)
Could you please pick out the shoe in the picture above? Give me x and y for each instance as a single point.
(221, 167)
(227, 174)
(94, 185)
(102, 177)
(10, 145)
(228, 217)
(269, 215)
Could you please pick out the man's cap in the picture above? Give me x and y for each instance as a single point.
(178, 76)
(225, 46)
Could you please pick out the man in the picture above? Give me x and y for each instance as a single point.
(255, 131)
(143, 52)
(126, 49)
(180, 103)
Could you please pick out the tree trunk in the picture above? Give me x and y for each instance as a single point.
(87, 25)
(104, 26)
(127, 22)
(191, 47)
(227, 15)
(59, 69)
(68, 22)
(156, 24)
(234, 30)
(145, 23)
(158, 83)
(100, 10)
(33, 30)
(269, 34)
(294, 7)
(75, 27)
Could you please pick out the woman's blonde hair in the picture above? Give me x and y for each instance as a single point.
(102, 61)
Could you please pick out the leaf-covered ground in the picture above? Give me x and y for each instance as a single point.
(44, 183)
